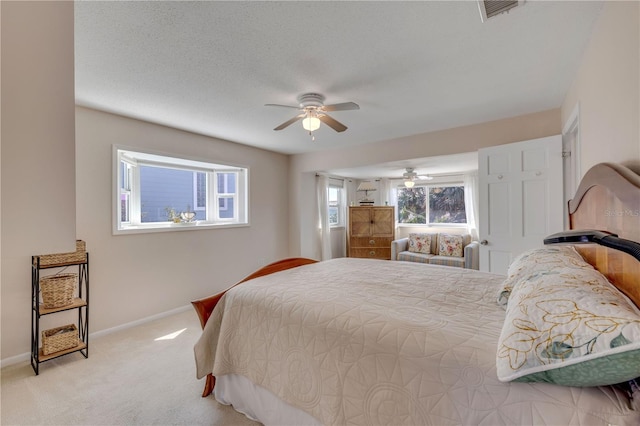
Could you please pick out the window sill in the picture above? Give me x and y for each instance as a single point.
(172, 227)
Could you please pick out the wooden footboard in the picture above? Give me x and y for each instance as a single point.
(204, 307)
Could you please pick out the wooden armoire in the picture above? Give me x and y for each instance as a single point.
(371, 230)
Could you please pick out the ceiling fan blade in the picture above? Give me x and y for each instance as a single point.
(289, 122)
(282, 106)
(341, 107)
(334, 124)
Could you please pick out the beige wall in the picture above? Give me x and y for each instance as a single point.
(607, 89)
(38, 162)
(302, 233)
(140, 275)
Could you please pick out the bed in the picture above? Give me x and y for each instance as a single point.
(362, 341)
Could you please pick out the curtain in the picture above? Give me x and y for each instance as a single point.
(324, 231)
(390, 188)
(385, 196)
(390, 195)
(345, 214)
(471, 203)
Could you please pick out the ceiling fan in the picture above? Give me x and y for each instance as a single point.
(410, 177)
(313, 112)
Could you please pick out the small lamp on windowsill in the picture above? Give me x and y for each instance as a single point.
(602, 238)
(366, 186)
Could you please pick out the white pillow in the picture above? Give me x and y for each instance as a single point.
(539, 261)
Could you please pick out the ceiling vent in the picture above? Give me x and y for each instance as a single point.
(491, 8)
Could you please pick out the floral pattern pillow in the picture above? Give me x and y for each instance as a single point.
(451, 245)
(571, 327)
(420, 243)
(538, 261)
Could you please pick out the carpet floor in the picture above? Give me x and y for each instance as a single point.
(144, 375)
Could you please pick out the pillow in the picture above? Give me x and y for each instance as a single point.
(570, 327)
(545, 258)
(420, 243)
(537, 261)
(450, 245)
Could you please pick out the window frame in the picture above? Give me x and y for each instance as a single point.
(337, 184)
(135, 157)
(196, 190)
(430, 224)
(338, 206)
(219, 196)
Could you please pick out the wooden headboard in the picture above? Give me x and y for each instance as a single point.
(608, 199)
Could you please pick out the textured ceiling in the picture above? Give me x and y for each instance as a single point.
(413, 67)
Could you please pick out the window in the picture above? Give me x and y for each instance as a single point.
(200, 191)
(335, 194)
(334, 206)
(160, 192)
(432, 205)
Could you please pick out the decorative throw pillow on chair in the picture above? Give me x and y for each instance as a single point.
(451, 245)
(420, 243)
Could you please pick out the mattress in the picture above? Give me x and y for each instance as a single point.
(370, 342)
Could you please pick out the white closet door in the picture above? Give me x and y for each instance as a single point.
(521, 199)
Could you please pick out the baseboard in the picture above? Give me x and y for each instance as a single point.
(141, 321)
(26, 357)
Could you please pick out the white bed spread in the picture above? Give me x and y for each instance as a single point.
(359, 341)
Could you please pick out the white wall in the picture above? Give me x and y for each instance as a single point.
(38, 163)
(607, 89)
(303, 239)
(139, 275)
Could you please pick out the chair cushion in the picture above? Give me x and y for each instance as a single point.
(414, 257)
(447, 261)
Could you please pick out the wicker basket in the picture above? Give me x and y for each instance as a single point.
(59, 339)
(78, 256)
(58, 290)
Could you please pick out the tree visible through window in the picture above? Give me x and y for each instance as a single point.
(432, 205)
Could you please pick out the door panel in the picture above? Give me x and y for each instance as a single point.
(383, 222)
(360, 222)
(498, 163)
(499, 221)
(534, 198)
(499, 260)
(534, 160)
(521, 199)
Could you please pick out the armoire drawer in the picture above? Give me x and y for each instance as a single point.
(373, 253)
(362, 242)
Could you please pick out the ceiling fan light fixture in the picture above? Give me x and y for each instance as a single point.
(410, 177)
(313, 112)
(311, 123)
